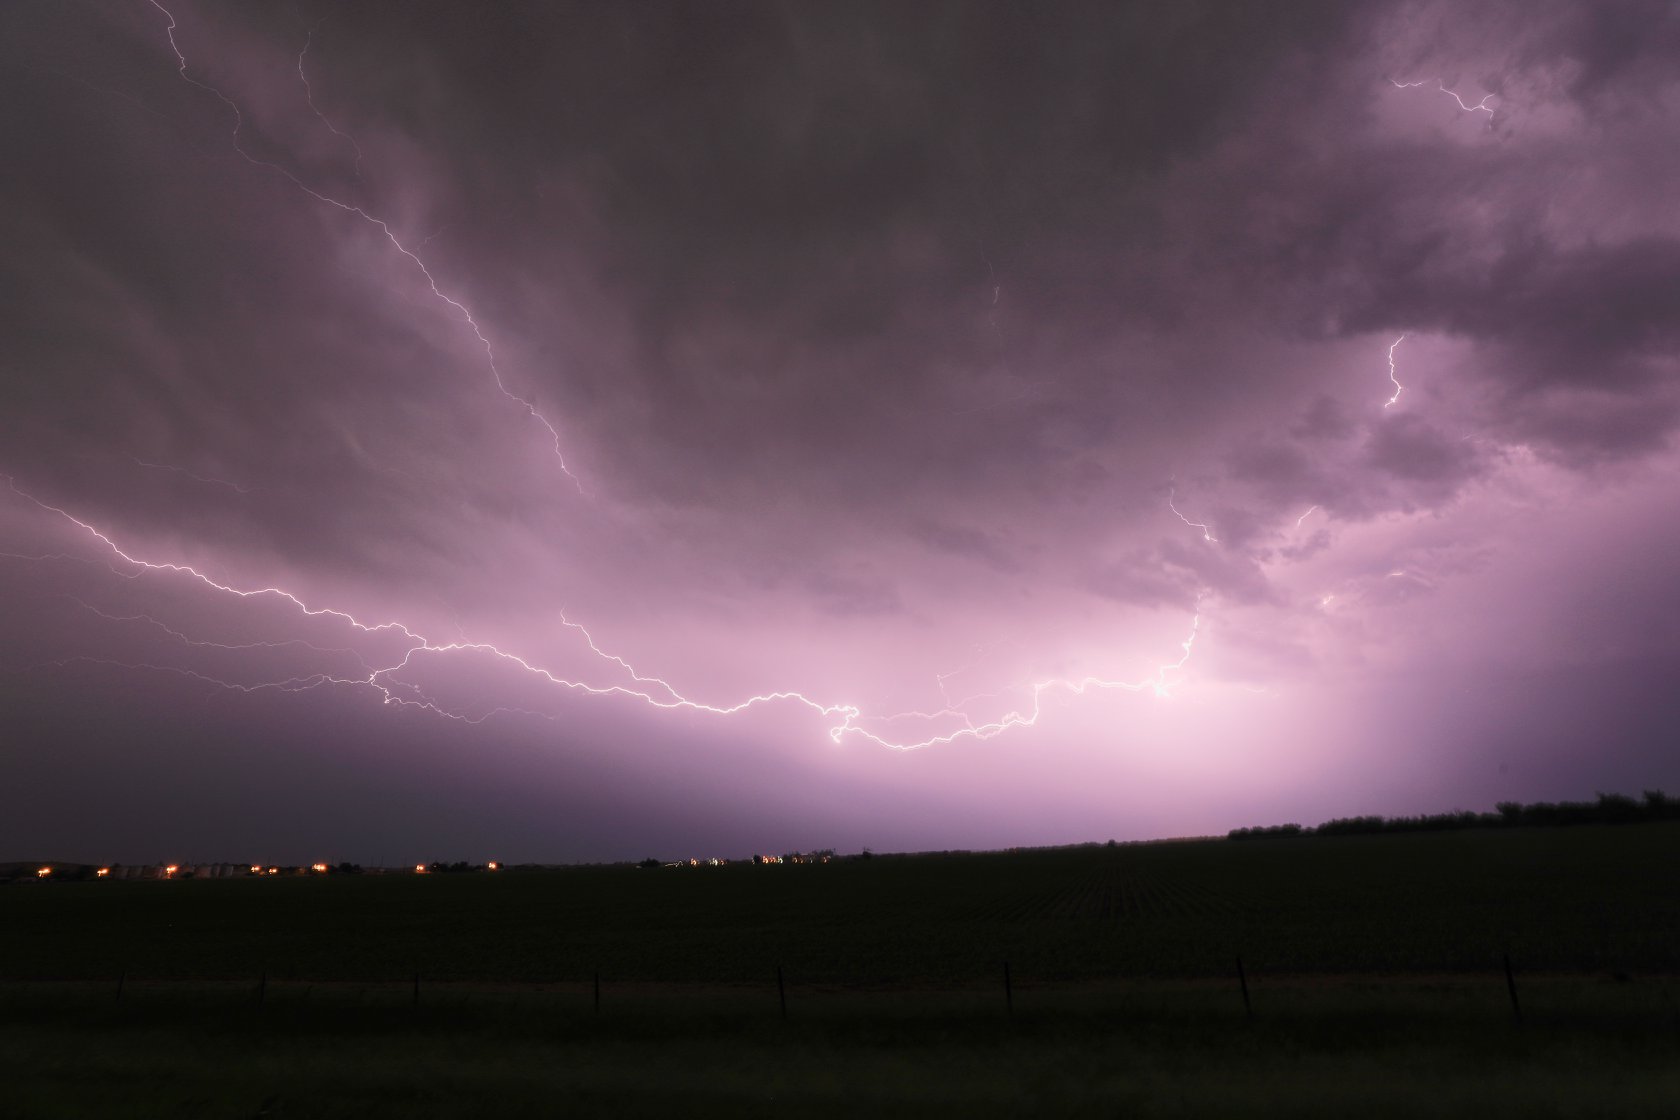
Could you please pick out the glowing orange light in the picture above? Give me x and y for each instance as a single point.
(103, 872)
(171, 869)
(494, 866)
(43, 872)
(256, 869)
(318, 867)
(419, 869)
(274, 871)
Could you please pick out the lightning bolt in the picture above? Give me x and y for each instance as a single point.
(309, 96)
(387, 676)
(294, 684)
(184, 639)
(844, 719)
(1398, 389)
(945, 695)
(1304, 516)
(1480, 107)
(1207, 534)
(234, 486)
(461, 309)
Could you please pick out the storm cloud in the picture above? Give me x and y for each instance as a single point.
(577, 429)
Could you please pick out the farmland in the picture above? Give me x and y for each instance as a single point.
(1557, 900)
(1362, 953)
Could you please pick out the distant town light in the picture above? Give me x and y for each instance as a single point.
(494, 866)
(274, 871)
(419, 869)
(319, 868)
(42, 873)
(171, 869)
(102, 873)
(256, 869)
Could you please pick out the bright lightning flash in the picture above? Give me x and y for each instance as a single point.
(1398, 389)
(845, 720)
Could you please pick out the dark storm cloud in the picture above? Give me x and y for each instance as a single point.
(1141, 578)
(1623, 50)
(854, 183)
(842, 593)
(1176, 571)
(969, 543)
(851, 182)
(1586, 426)
(1398, 462)
(1592, 330)
(875, 335)
(1414, 451)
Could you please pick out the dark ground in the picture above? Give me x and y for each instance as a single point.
(1375, 967)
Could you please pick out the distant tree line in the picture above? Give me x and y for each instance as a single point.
(1610, 808)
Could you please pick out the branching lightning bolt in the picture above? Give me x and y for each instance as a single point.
(233, 647)
(1480, 107)
(944, 693)
(384, 228)
(845, 720)
(386, 674)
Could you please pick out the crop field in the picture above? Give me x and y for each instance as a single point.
(1364, 957)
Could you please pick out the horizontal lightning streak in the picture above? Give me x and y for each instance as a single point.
(1480, 107)
(293, 684)
(234, 647)
(234, 486)
(846, 719)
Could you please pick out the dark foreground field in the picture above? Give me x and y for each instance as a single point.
(1375, 969)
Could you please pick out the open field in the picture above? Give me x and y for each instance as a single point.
(1594, 898)
(1374, 966)
(1172, 1048)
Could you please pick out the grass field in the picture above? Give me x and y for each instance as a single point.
(1374, 964)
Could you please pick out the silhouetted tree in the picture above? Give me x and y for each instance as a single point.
(1610, 808)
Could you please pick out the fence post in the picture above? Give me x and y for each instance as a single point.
(781, 991)
(1511, 987)
(1008, 992)
(1242, 978)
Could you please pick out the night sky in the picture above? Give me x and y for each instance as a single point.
(590, 431)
